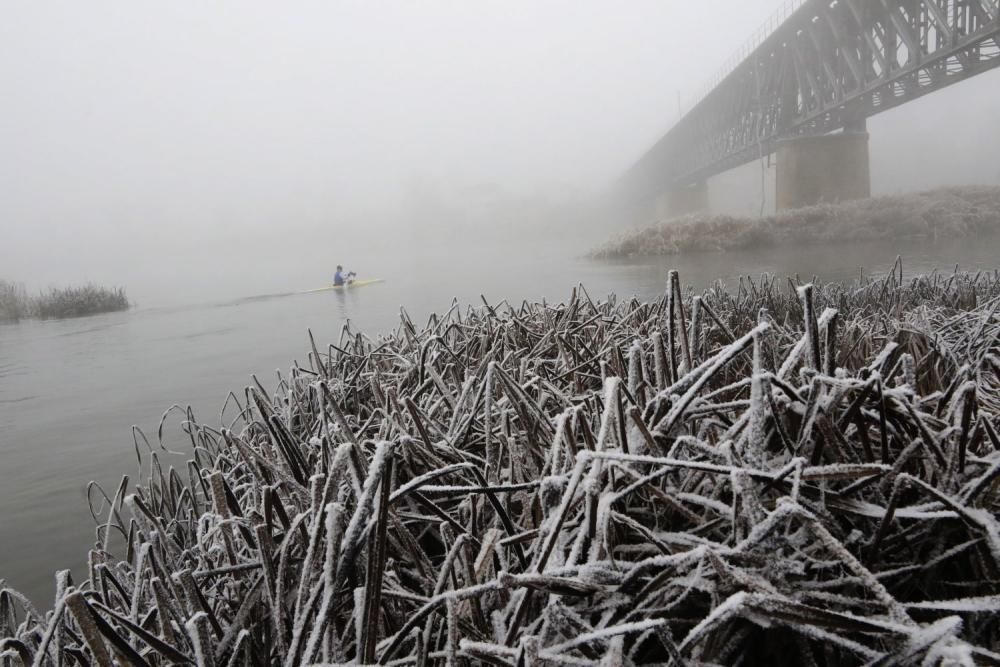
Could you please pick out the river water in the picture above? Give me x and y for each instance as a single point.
(71, 390)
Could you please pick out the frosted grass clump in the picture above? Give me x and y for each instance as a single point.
(946, 213)
(79, 301)
(798, 475)
(16, 304)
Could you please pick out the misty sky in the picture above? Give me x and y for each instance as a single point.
(139, 134)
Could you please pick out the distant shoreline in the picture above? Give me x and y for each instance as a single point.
(59, 303)
(952, 212)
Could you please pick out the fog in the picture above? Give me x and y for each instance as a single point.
(192, 151)
(217, 159)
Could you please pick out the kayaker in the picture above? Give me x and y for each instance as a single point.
(340, 278)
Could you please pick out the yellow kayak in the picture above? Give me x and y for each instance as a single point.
(350, 285)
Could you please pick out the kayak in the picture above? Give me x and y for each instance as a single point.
(351, 285)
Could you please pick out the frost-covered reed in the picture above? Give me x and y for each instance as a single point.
(945, 213)
(79, 301)
(16, 304)
(785, 473)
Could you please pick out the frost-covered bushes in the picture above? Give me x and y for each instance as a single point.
(943, 213)
(766, 475)
(79, 301)
(14, 303)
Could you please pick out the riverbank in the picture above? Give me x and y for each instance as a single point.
(943, 213)
(580, 481)
(16, 304)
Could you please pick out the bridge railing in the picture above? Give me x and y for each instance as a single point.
(765, 30)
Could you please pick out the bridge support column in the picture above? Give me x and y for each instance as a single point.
(828, 168)
(682, 200)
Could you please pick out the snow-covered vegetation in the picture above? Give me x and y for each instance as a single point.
(943, 213)
(776, 473)
(79, 301)
(16, 304)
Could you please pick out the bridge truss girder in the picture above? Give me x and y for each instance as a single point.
(831, 64)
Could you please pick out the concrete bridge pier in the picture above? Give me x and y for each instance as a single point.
(827, 168)
(682, 200)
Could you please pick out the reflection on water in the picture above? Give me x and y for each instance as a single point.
(71, 390)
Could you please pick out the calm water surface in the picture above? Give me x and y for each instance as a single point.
(71, 390)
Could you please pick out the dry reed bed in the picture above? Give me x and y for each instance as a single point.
(16, 304)
(79, 301)
(942, 213)
(737, 477)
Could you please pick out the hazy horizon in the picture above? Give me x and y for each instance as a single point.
(190, 149)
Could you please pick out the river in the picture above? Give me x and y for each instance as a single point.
(71, 390)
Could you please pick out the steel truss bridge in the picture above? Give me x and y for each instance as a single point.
(827, 66)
